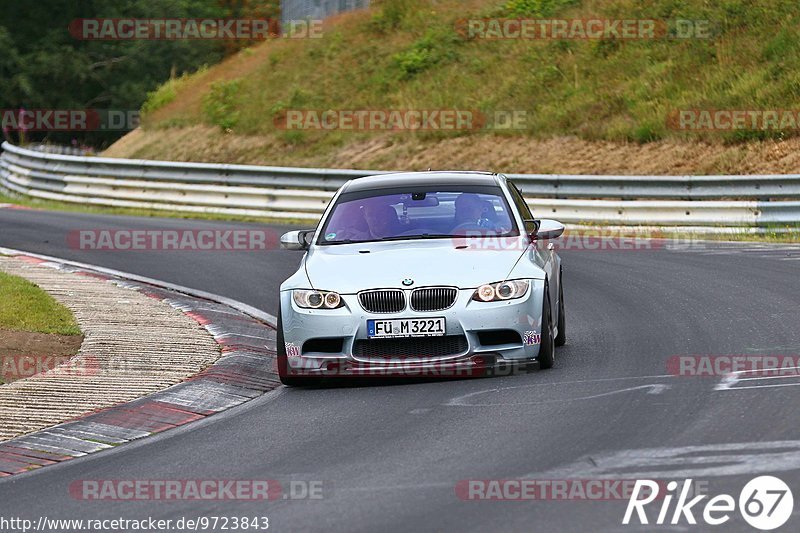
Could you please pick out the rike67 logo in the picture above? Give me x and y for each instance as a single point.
(766, 503)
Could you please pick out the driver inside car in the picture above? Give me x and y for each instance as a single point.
(382, 220)
(471, 213)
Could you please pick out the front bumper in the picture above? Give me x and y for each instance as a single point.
(322, 342)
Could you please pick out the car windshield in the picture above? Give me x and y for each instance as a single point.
(418, 214)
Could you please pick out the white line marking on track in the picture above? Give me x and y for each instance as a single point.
(773, 386)
(729, 381)
(694, 461)
(652, 388)
(758, 378)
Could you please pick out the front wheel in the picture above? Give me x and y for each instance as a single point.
(561, 338)
(283, 362)
(547, 349)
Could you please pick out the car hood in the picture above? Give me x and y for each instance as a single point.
(350, 268)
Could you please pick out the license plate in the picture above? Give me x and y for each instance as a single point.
(405, 327)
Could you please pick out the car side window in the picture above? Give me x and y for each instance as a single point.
(522, 206)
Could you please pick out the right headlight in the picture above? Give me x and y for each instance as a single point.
(311, 299)
(502, 290)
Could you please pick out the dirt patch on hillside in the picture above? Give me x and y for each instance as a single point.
(24, 354)
(565, 155)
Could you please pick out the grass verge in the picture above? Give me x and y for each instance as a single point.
(26, 307)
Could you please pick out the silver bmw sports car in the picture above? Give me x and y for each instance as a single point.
(422, 274)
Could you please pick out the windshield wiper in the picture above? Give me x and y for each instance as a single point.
(420, 236)
(345, 241)
(392, 238)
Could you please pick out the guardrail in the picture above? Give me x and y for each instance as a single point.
(61, 149)
(710, 202)
(317, 9)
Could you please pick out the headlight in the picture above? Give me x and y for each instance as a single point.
(502, 290)
(316, 299)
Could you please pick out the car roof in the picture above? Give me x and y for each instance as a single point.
(403, 179)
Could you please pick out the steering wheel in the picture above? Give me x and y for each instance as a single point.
(464, 226)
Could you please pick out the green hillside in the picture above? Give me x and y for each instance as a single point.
(410, 54)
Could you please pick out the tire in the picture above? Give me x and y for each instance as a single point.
(283, 362)
(547, 348)
(561, 338)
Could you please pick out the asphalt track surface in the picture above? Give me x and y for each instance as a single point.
(391, 455)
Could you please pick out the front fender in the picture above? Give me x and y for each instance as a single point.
(298, 280)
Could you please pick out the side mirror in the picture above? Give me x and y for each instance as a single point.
(549, 229)
(532, 227)
(297, 240)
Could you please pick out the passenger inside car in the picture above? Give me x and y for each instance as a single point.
(382, 220)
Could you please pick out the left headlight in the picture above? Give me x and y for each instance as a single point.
(309, 299)
(502, 290)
